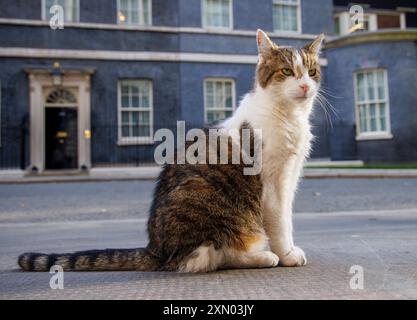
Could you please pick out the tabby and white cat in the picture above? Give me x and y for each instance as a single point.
(206, 217)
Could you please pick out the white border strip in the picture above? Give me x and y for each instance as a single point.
(131, 56)
(108, 26)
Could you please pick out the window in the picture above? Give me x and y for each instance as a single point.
(217, 14)
(219, 99)
(366, 25)
(387, 21)
(286, 15)
(71, 9)
(372, 107)
(336, 23)
(135, 112)
(371, 22)
(137, 12)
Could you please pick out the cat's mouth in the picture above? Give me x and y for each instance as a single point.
(301, 98)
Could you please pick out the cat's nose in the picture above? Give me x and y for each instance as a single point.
(305, 88)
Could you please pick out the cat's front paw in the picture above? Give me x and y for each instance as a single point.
(295, 258)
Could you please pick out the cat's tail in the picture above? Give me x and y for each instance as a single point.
(93, 260)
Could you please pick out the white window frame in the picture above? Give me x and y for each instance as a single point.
(283, 3)
(232, 81)
(141, 14)
(134, 140)
(372, 135)
(45, 15)
(204, 19)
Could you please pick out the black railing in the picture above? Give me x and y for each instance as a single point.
(13, 147)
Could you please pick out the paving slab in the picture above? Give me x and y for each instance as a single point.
(382, 243)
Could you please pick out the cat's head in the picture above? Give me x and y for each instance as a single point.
(291, 75)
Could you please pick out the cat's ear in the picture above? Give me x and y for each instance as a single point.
(265, 45)
(315, 46)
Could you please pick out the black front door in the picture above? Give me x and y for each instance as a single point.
(61, 143)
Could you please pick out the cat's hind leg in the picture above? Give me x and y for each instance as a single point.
(203, 259)
(252, 260)
(252, 253)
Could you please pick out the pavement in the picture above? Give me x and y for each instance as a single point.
(369, 225)
(314, 171)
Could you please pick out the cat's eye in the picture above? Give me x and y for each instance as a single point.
(287, 72)
(312, 72)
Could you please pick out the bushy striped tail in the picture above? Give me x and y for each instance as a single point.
(93, 260)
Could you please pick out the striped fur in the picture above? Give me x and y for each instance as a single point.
(92, 260)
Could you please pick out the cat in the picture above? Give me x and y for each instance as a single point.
(206, 217)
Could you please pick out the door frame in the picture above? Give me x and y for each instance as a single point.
(40, 82)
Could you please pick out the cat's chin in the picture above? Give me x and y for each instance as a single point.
(302, 101)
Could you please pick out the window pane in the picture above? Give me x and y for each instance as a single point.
(125, 101)
(382, 110)
(125, 131)
(293, 19)
(134, 17)
(372, 115)
(144, 118)
(145, 103)
(217, 13)
(125, 89)
(370, 86)
(360, 87)
(141, 124)
(125, 117)
(144, 131)
(135, 101)
(134, 89)
(219, 95)
(124, 5)
(380, 82)
(336, 25)
(229, 103)
(135, 131)
(228, 89)
(135, 118)
(382, 117)
(215, 115)
(388, 21)
(70, 9)
(362, 118)
(134, 12)
(146, 13)
(285, 17)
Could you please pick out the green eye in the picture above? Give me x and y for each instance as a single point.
(312, 72)
(287, 72)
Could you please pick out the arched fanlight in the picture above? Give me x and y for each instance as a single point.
(61, 96)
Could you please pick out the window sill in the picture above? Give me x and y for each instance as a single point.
(133, 142)
(286, 32)
(218, 29)
(133, 25)
(374, 136)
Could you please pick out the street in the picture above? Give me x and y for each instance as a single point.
(340, 223)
